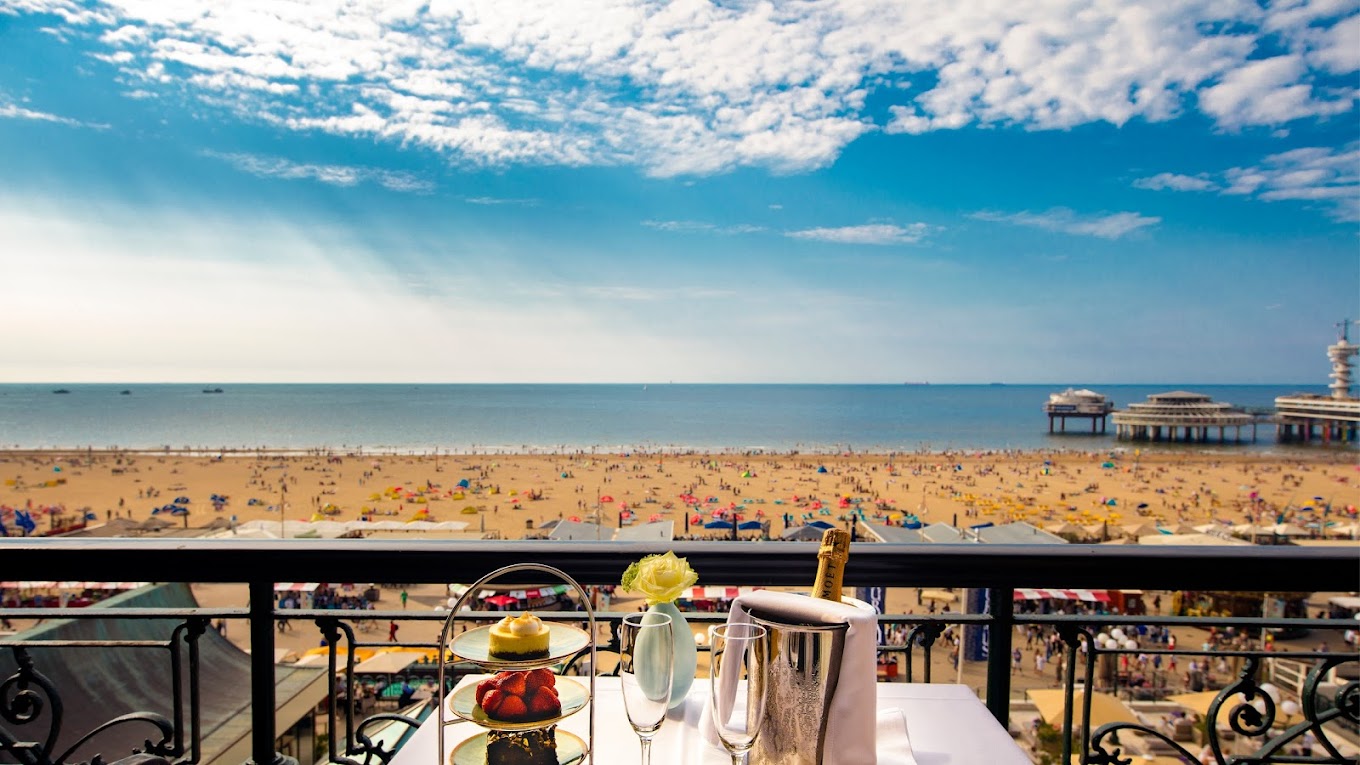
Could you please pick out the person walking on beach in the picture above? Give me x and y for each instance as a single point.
(391, 632)
(404, 596)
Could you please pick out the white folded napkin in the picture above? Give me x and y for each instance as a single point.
(851, 727)
(894, 744)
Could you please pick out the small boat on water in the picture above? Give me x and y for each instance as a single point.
(212, 390)
(125, 393)
(61, 390)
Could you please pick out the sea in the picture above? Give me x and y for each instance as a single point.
(450, 419)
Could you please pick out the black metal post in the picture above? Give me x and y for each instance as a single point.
(1000, 606)
(262, 702)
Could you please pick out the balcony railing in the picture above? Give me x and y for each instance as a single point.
(998, 569)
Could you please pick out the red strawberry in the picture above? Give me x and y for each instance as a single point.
(539, 678)
(513, 683)
(483, 687)
(491, 702)
(512, 710)
(545, 704)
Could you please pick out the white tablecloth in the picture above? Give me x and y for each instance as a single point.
(946, 723)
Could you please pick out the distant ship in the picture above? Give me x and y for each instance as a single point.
(915, 383)
(212, 390)
(125, 393)
(61, 390)
(1072, 401)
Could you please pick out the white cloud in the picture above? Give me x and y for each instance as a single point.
(1176, 182)
(334, 175)
(694, 226)
(1324, 175)
(14, 111)
(869, 233)
(493, 201)
(695, 87)
(1269, 91)
(1063, 220)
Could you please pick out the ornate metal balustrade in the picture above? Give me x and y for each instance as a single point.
(27, 697)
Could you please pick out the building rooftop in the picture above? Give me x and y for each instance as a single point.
(1018, 533)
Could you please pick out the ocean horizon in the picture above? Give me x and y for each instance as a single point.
(509, 418)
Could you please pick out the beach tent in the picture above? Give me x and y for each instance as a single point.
(718, 525)
(802, 533)
(388, 662)
(750, 526)
(1104, 707)
(1199, 702)
(823, 525)
(1065, 528)
(1146, 528)
(1198, 540)
(1289, 530)
(1180, 528)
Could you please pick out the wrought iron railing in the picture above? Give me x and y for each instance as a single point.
(997, 569)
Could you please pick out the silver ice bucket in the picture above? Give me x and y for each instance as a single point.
(804, 669)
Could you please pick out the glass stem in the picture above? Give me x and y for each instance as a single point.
(646, 751)
(738, 758)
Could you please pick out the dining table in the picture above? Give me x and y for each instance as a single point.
(945, 725)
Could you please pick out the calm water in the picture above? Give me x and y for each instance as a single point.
(421, 418)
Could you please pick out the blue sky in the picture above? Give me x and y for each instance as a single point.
(613, 190)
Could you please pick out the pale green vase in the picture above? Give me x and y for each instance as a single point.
(686, 656)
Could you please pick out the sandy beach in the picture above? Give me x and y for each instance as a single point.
(512, 495)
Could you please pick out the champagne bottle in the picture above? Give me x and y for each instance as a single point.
(831, 557)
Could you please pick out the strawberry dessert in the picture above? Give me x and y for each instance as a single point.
(520, 696)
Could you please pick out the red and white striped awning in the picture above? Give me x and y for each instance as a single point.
(1035, 593)
(50, 585)
(296, 586)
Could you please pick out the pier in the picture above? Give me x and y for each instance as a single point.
(1182, 416)
(1081, 404)
(1303, 417)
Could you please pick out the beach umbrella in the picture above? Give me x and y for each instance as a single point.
(750, 526)
(718, 525)
(606, 498)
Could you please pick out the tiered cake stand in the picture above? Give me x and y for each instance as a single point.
(564, 642)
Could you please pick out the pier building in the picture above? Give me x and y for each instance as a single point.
(1303, 417)
(1081, 404)
(1181, 416)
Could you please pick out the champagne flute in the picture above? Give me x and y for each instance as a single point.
(737, 685)
(646, 657)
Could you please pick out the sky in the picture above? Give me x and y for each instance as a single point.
(859, 191)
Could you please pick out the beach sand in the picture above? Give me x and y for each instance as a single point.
(511, 495)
